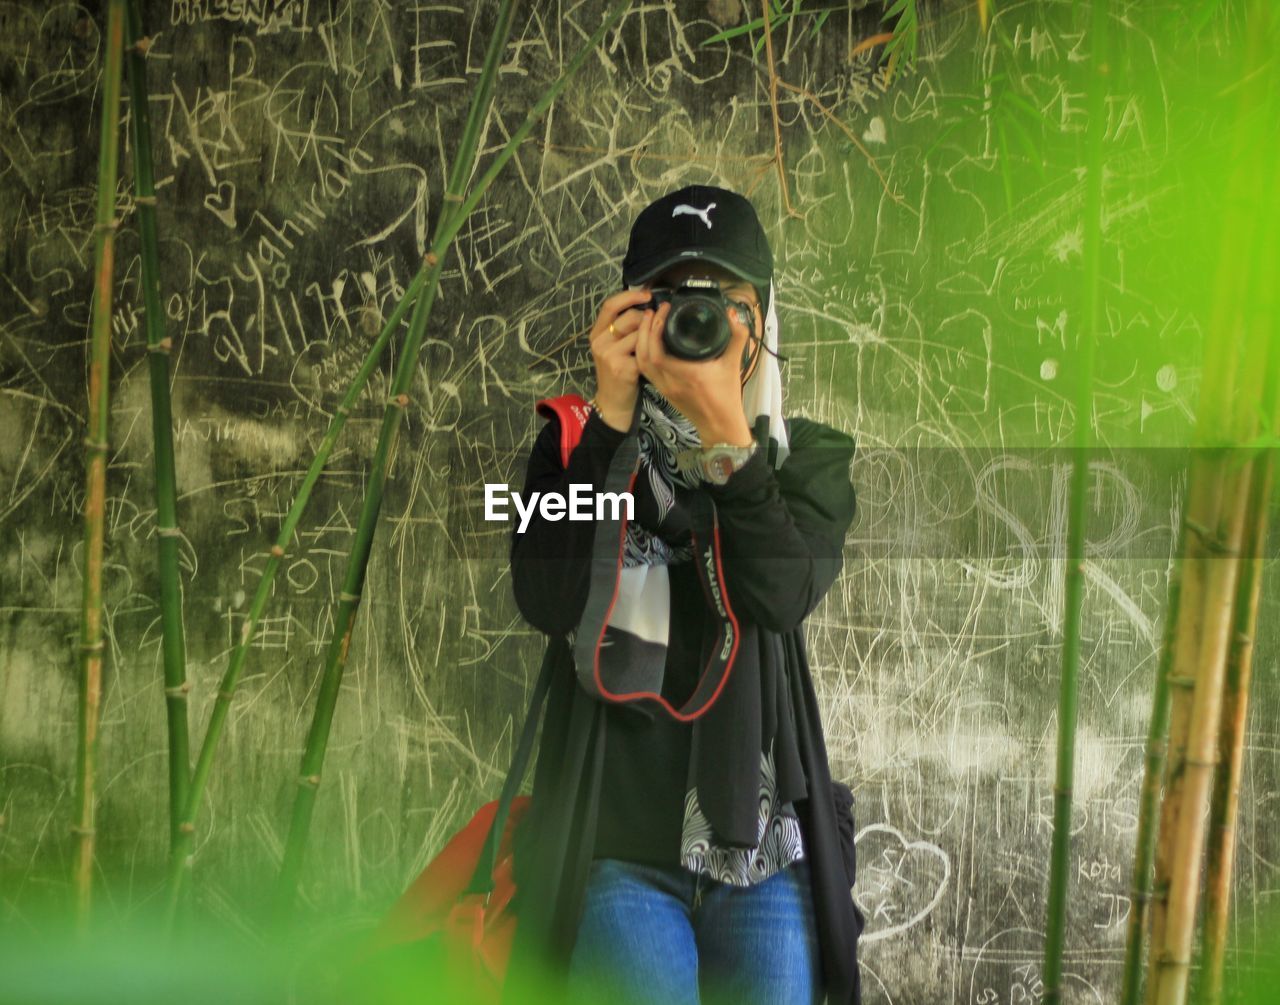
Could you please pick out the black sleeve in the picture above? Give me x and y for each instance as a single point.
(782, 533)
(551, 560)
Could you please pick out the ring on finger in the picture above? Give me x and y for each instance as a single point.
(613, 331)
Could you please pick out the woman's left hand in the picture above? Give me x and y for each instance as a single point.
(708, 392)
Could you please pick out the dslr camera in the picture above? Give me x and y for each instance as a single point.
(697, 327)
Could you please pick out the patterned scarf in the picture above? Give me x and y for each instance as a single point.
(620, 643)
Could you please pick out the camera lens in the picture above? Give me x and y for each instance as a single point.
(696, 328)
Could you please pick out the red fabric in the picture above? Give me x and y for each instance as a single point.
(477, 936)
(573, 411)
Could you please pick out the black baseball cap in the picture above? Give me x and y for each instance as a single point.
(699, 222)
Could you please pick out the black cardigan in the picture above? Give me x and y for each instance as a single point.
(783, 532)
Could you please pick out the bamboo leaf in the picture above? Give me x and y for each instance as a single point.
(905, 35)
(776, 21)
(871, 42)
(778, 17)
(1003, 38)
(1018, 101)
(938, 140)
(732, 33)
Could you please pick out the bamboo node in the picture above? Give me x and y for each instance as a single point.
(344, 411)
(168, 532)
(1181, 680)
(351, 598)
(163, 347)
(110, 227)
(79, 831)
(1244, 639)
(96, 446)
(311, 781)
(178, 690)
(144, 200)
(93, 647)
(1212, 543)
(186, 827)
(1198, 762)
(277, 551)
(431, 260)
(1197, 528)
(226, 694)
(453, 197)
(400, 401)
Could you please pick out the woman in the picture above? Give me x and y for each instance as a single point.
(685, 837)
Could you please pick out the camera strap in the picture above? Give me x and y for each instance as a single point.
(620, 643)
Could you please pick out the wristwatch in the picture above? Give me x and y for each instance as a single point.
(720, 460)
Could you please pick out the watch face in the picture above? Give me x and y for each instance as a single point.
(722, 460)
(719, 468)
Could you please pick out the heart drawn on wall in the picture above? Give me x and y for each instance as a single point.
(899, 882)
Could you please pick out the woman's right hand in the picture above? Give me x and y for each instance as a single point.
(613, 349)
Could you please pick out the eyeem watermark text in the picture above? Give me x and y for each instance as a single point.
(581, 504)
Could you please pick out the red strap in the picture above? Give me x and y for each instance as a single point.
(572, 410)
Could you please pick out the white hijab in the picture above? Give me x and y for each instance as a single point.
(762, 394)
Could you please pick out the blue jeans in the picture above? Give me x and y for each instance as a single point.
(661, 934)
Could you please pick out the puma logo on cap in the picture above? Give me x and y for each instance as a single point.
(702, 214)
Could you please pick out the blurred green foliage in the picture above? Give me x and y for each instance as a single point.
(44, 962)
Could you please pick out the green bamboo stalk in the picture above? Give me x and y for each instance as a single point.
(1207, 495)
(357, 566)
(1077, 518)
(1148, 799)
(1182, 620)
(96, 446)
(1181, 630)
(180, 853)
(173, 645)
(180, 861)
(1235, 706)
(1172, 960)
(1202, 625)
(1226, 784)
(1170, 711)
(357, 562)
